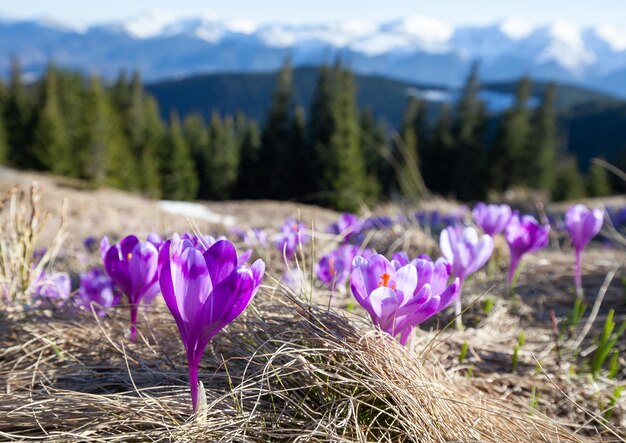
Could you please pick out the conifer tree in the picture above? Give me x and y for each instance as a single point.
(377, 155)
(50, 143)
(72, 93)
(248, 183)
(180, 181)
(224, 158)
(197, 138)
(469, 158)
(134, 115)
(299, 172)
(598, 184)
(442, 150)
(343, 168)
(153, 149)
(543, 143)
(106, 147)
(18, 121)
(321, 123)
(568, 182)
(508, 160)
(4, 145)
(412, 131)
(275, 151)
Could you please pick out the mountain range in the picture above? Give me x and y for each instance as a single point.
(414, 49)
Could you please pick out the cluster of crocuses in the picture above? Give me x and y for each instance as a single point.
(293, 235)
(398, 294)
(523, 234)
(390, 291)
(204, 283)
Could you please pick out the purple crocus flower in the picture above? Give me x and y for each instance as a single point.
(348, 226)
(132, 265)
(90, 243)
(492, 218)
(400, 299)
(334, 268)
(582, 224)
(97, 289)
(156, 240)
(292, 235)
(55, 287)
(524, 235)
(205, 291)
(467, 252)
(251, 237)
(201, 242)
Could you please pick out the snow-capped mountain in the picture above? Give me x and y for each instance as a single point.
(418, 49)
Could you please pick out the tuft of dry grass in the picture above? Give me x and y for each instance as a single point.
(289, 371)
(22, 221)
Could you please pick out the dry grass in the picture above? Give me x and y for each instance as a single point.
(288, 372)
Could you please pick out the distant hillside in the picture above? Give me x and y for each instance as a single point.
(582, 112)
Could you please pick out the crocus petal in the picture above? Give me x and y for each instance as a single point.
(441, 275)
(104, 246)
(243, 258)
(384, 302)
(399, 259)
(445, 243)
(227, 301)
(258, 269)
(127, 245)
(404, 282)
(192, 283)
(359, 290)
(142, 270)
(221, 259)
(167, 288)
(482, 252)
(425, 270)
(450, 294)
(117, 269)
(376, 267)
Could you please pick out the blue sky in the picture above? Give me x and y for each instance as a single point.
(81, 13)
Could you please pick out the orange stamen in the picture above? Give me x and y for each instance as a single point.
(384, 280)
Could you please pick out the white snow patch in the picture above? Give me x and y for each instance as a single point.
(150, 24)
(211, 34)
(425, 28)
(516, 29)
(566, 47)
(195, 210)
(381, 43)
(431, 95)
(357, 27)
(566, 33)
(613, 36)
(242, 26)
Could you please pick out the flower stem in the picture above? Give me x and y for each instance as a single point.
(578, 276)
(514, 272)
(133, 322)
(458, 308)
(193, 380)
